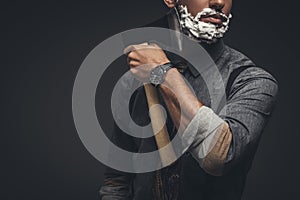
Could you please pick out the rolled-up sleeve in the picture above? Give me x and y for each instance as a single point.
(249, 106)
(208, 139)
(219, 141)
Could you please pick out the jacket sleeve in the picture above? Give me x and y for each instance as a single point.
(248, 109)
(220, 141)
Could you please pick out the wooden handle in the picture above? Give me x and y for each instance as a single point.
(161, 135)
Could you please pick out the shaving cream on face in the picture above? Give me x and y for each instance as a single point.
(199, 30)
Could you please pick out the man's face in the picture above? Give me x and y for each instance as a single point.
(196, 6)
(204, 20)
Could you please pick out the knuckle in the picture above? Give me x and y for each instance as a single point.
(131, 54)
(132, 63)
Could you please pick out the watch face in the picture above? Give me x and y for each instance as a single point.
(157, 76)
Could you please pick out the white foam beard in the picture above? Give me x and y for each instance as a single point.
(203, 31)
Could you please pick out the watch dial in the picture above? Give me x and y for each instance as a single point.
(157, 76)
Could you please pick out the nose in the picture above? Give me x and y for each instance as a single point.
(217, 4)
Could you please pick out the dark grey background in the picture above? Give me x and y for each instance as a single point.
(46, 41)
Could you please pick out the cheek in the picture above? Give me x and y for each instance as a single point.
(227, 8)
(195, 6)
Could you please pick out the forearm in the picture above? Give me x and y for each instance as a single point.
(181, 103)
(209, 136)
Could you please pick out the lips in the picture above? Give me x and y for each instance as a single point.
(214, 19)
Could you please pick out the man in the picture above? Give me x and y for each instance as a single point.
(231, 134)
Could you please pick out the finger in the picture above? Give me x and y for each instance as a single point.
(144, 43)
(134, 63)
(136, 47)
(154, 43)
(129, 49)
(132, 55)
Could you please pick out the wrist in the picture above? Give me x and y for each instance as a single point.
(162, 62)
(172, 78)
(158, 73)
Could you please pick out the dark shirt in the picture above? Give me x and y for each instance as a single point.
(250, 99)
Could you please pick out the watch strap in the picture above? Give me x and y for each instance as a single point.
(166, 66)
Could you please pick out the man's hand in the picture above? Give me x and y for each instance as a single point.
(180, 100)
(142, 58)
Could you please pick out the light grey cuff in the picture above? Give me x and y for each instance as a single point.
(199, 136)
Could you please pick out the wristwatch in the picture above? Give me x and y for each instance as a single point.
(157, 75)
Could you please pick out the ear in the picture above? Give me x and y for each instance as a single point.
(170, 3)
